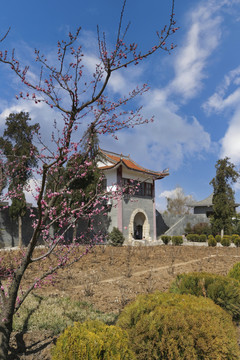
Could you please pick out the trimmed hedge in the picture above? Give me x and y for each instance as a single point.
(177, 240)
(224, 291)
(226, 240)
(197, 237)
(218, 238)
(236, 240)
(93, 340)
(212, 241)
(173, 327)
(166, 239)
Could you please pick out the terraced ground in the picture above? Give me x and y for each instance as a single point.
(107, 278)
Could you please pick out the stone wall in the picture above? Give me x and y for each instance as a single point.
(175, 225)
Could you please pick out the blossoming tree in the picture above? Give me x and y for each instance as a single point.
(65, 87)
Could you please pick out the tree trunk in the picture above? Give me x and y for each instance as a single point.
(5, 333)
(19, 231)
(75, 231)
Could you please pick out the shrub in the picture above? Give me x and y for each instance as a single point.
(92, 340)
(193, 237)
(223, 290)
(116, 237)
(177, 240)
(173, 327)
(218, 238)
(234, 272)
(166, 239)
(203, 238)
(226, 240)
(236, 239)
(212, 241)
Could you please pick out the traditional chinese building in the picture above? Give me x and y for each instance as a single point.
(133, 214)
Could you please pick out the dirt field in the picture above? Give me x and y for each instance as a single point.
(111, 277)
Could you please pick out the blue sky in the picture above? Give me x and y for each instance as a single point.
(194, 92)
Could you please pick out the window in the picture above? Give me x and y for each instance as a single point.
(143, 189)
(140, 189)
(148, 188)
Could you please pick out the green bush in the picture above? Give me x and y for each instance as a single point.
(173, 327)
(177, 240)
(223, 290)
(92, 340)
(193, 237)
(236, 239)
(202, 238)
(218, 238)
(234, 272)
(212, 241)
(166, 239)
(116, 237)
(200, 228)
(226, 240)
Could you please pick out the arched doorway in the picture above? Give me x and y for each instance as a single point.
(138, 223)
(139, 228)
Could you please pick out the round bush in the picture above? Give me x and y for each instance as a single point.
(224, 291)
(236, 240)
(234, 272)
(173, 327)
(218, 238)
(166, 239)
(212, 241)
(177, 240)
(226, 240)
(93, 340)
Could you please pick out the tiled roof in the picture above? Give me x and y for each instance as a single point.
(205, 202)
(118, 159)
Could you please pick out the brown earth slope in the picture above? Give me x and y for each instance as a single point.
(110, 277)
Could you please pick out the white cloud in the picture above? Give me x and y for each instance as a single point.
(166, 141)
(227, 97)
(203, 37)
(230, 142)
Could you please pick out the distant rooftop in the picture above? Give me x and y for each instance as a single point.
(205, 202)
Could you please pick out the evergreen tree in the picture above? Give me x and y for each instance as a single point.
(223, 196)
(16, 144)
(83, 186)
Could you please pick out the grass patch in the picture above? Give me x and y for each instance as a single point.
(55, 314)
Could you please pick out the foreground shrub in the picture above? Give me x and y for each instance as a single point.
(116, 237)
(223, 290)
(166, 239)
(234, 272)
(212, 241)
(226, 240)
(92, 340)
(177, 240)
(173, 327)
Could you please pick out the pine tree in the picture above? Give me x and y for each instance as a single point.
(223, 196)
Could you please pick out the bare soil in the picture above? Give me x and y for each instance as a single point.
(111, 277)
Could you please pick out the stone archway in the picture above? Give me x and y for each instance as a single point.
(139, 228)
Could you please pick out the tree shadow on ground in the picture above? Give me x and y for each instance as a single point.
(18, 346)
